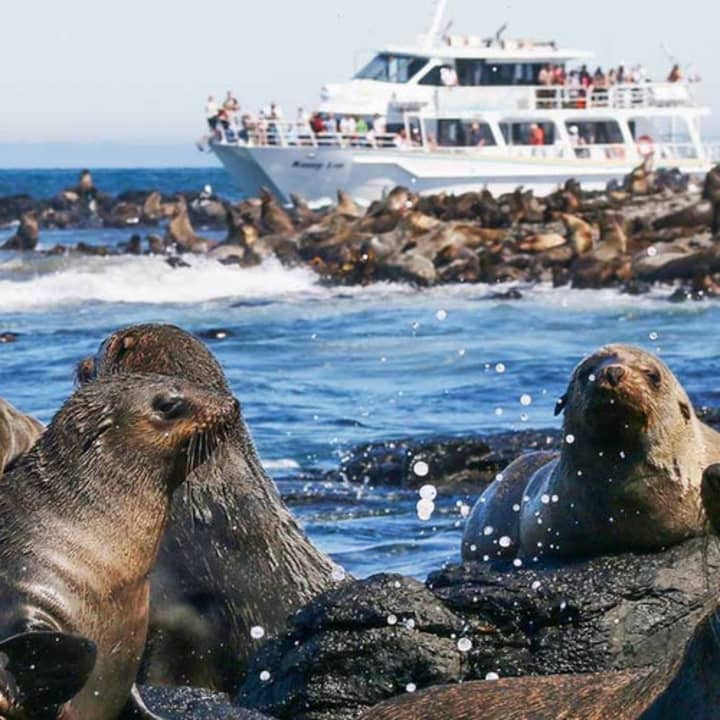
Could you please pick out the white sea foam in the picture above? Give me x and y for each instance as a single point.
(281, 464)
(45, 282)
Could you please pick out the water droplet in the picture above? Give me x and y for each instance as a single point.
(264, 676)
(421, 469)
(425, 509)
(411, 687)
(464, 510)
(338, 574)
(517, 562)
(428, 492)
(492, 676)
(652, 251)
(526, 400)
(555, 498)
(653, 336)
(392, 620)
(536, 585)
(569, 439)
(257, 632)
(505, 541)
(544, 499)
(498, 411)
(516, 508)
(488, 530)
(441, 315)
(500, 368)
(464, 645)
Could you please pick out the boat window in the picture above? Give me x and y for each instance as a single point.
(433, 77)
(661, 129)
(464, 133)
(481, 72)
(528, 133)
(392, 68)
(596, 132)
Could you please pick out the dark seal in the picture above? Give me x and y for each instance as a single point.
(234, 564)
(82, 515)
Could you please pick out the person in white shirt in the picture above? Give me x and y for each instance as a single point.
(448, 76)
(348, 126)
(211, 113)
(379, 126)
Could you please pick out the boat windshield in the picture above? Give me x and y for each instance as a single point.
(392, 68)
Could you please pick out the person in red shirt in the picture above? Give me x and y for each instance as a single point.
(537, 135)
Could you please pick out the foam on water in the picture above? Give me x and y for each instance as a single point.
(149, 280)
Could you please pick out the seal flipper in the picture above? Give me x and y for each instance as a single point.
(41, 671)
(136, 709)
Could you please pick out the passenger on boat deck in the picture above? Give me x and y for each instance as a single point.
(231, 104)
(448, 76)
(361, 126)
(575, 138)
(316, 124)
(545, 76)
(402, 140)
(639, 74)
(379, 125)
(585, 79)
(599, 81)
(476, 135)
(348, 126)
(675, 74)
(559, 76)
(330, 124)
(223, 117)
(275, 112)
(211, 113)
(621, 75)
(537, 134)
(301, 119)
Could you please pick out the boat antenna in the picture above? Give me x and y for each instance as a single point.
(498, 34)
(433, 32)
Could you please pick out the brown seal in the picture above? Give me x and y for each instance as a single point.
(82, 515)
(257, 568)
(18, 433)
(628, 477)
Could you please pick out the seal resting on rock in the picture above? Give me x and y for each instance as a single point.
(628, 476)
(18, 433)
(258, 567)
(82, 516)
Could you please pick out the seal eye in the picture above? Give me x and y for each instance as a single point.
(653, 375)
(170, 407)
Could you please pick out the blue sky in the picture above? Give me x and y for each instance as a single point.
(138, 71)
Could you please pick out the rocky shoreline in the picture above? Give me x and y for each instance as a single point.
(655, 229)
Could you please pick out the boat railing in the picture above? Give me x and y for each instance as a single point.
(293, 135)
(615, 97)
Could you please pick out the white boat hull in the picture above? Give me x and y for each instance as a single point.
(317, 173)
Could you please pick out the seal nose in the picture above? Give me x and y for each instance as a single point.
(614, 374)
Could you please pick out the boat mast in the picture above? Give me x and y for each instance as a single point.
(431, 36)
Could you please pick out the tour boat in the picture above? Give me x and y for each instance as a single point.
(462, 112)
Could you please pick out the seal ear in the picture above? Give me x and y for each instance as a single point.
(85, 371)
(561, 404)
(685, 410)
(43, 670)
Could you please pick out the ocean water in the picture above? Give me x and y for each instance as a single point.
(320, 369)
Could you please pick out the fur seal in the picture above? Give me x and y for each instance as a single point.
(628, 477)
(82, 515)
(258, 567)
(18, 433)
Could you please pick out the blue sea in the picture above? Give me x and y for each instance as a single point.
(320, 369)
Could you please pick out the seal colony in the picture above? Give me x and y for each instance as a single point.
(655, 229)
(628, 477)
(82, 515)
(262, 567)
(100, 541)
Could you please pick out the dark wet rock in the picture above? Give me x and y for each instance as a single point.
(183, 703)
(353, 647)
(455, 465)
(27, 235)
(320, 668)
(8, 337)
(177, 262)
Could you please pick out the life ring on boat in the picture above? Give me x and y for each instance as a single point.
(645, 145)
